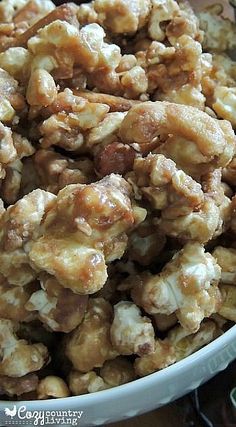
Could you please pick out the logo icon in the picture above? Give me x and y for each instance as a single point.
(10, 412)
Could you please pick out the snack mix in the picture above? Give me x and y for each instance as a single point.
(117, 183)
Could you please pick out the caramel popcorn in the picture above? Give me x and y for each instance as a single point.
(18, 357)
(220, 33)
(49, 302)
(163, 356)
(228, 307)
(90, 345)
(185, 343)
(80, 383)
(117, 190)
(226, 258)
(96, 235)
(130, 332)
(184, 206)
(187, 286)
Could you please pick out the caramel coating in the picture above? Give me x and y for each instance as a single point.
(89, 346)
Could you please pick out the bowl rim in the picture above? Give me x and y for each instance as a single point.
(177, 368)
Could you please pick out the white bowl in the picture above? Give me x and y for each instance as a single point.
(144, 394)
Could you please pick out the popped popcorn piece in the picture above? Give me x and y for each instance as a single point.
(117, 371)
(8, 8)
(65, 12)
(33, 11)
(220, 32)
(66, 130)
(106, 131)
(89, 345)
(19, 224)
(58, 308)
(202, 142)
(163, 356)
(12, 101)
(185, 344)
(120, 16)
(52, 386)
(130, 332)
(226, 258)
(186, 94)
(13, 300)
(18, 386)
(161, 12)
(187, 286)
(90, 382)
(185, 22)
(19, 358)
(89, 223)
(225, 103)
(146, 242)
(228, 307)
(185, 209)
(16, 61)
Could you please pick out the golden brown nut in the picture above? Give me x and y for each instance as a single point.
(131, 333)
(195, 132)
(117, 371)
(52, 386)
(56, 171)
(58, 308)
(80, 383)
(163, 356)
(89, 345)
(19, 358)
(228, 307)
(41, 90)
(187, 286)
(185, 344)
